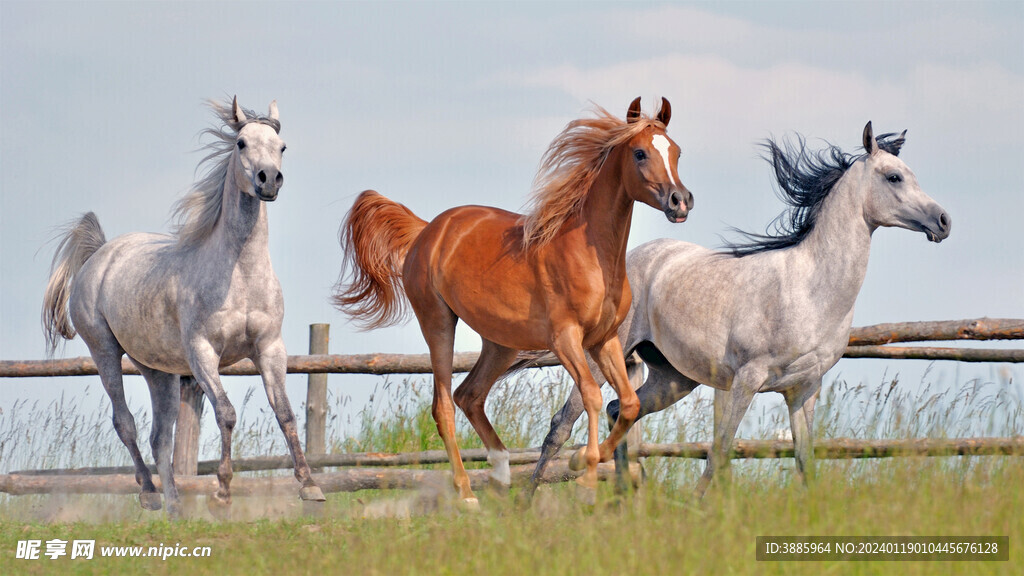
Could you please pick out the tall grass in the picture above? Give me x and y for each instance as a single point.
(397, 418)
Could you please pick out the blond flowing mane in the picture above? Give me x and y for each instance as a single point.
(568, 171)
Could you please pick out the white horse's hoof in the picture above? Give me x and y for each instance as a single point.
(150, 500)
(312, 493)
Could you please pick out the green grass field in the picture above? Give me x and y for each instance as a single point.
(660, 530)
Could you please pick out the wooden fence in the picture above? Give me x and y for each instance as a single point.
(377, 470)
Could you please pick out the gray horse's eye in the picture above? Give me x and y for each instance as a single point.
(241, 144)
(894, 178)
(283, 148)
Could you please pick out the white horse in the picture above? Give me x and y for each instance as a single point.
(771, 315)
(190, 303)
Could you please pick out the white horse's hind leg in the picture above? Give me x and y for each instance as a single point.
(272, 362)
(730, 406)
(800, 401)
(165, 394)
(108, 364)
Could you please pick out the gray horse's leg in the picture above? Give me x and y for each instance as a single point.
(730, 406)
(800, 401)
(165, 395)
(204, 363)
(272, 362)
(561, 428)
(664, 387)
(108, 364)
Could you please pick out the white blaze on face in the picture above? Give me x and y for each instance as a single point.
(661, 144)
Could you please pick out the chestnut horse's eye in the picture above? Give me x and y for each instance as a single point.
(241, 144)
(640, 155)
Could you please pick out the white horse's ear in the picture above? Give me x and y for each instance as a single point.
(870, 144)
(236, 111)
(665, 114)
(273, 110)
(633, 114)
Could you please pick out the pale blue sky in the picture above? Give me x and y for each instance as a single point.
(441, 104)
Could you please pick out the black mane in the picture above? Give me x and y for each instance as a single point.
(804, 179)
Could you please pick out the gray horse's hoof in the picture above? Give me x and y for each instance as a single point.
(312, 493)
(150, 500)
(578, 461)
(220, 507)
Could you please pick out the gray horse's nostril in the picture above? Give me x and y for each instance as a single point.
(944, 220)
(262, 176)
(279, 179)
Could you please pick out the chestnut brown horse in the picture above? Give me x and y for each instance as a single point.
(553, 278)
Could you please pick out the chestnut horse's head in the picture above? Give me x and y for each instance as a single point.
(649, 162)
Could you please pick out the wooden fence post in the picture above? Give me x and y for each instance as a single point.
(316, 394)
(186, 431)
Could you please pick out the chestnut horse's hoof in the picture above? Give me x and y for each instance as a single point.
(312, 493)
(585, 493)
(578, 461)
(150, 500)
(469, 504)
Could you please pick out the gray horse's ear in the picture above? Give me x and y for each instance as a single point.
(665, 114)
(236, 111)
(898, 143)
(633, 114)
(273, 110)
(870, 145)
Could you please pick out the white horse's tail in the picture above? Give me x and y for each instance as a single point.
(79, 241)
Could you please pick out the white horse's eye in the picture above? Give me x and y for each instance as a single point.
(241, 144)
(283, 148)
(894, 178)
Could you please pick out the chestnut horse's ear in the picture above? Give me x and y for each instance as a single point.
(633, 114)
(665, 114)
(236, 111)
(870, 145)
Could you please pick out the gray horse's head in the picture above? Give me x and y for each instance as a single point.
(258, 151)
(893, 195)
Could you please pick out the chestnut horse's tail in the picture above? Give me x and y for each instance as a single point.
(375, 237)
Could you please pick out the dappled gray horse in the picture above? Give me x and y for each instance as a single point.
(190, 303)
(769, 315)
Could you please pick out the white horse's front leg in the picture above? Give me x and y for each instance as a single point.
(272, 362)
(730, 406)
(205, 362)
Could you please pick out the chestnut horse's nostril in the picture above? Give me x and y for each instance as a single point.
(675, 200)
(262, 176)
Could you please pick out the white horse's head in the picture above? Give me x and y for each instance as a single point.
(893, 195)
(258, 152)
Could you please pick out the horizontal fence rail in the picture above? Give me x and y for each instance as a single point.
(835, 449)
(865, 342)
